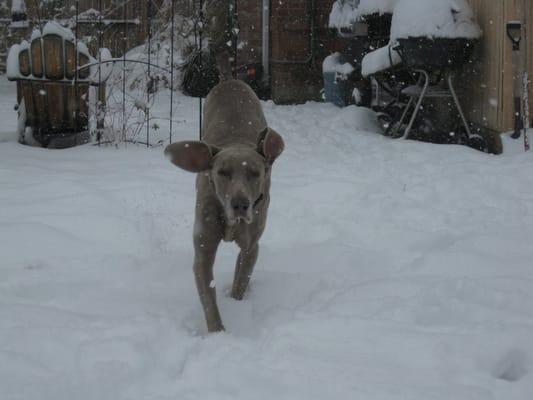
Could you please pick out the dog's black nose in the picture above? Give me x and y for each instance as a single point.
(240, 205)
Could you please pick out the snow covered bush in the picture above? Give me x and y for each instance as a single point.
(434, 19)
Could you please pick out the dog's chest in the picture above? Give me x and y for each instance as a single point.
(230, 232)
(239, 233)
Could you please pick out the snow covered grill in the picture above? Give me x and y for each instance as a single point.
(52, 89)
(431, 53)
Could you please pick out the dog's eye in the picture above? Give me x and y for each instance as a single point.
(253, 173)
(224, 173)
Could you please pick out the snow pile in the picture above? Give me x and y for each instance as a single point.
(434, 19)
(345, 13)
(380, 60)
(334, 64)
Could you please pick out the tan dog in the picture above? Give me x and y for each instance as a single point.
(233, 162)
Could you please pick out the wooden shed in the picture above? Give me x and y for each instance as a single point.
(488, 89)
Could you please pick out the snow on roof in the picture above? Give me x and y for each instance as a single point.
(434, 19)
(380, 60)
(345, 13)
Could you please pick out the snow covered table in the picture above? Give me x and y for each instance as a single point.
(52, 86)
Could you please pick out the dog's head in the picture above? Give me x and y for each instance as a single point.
(238, 173)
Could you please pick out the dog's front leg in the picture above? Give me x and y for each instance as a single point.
(243, 271)
(204, 258)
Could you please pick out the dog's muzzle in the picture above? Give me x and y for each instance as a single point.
(240, 208)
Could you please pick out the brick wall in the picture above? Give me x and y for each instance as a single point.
(250, 34)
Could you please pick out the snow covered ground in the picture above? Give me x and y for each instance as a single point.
(389, 270)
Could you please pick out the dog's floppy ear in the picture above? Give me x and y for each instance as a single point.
(192, 156)
(270, 145)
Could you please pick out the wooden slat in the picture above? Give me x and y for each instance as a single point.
(56, 105)
(40, 118)
(482, 86)
(84, 73)
(70, 60)
(77, 120)
(70, 107)
(54, 63)
(83, 116)
(36, 58)
(24, 62)
(27, 94)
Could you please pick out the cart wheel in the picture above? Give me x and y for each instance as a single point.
(394, 130)
(390, 120)
(478, 142)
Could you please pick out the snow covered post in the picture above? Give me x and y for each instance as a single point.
(19, 27)
(18, 11)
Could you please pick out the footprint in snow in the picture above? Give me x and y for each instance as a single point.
(512, 366)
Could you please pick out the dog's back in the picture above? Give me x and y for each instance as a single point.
(232, 115)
